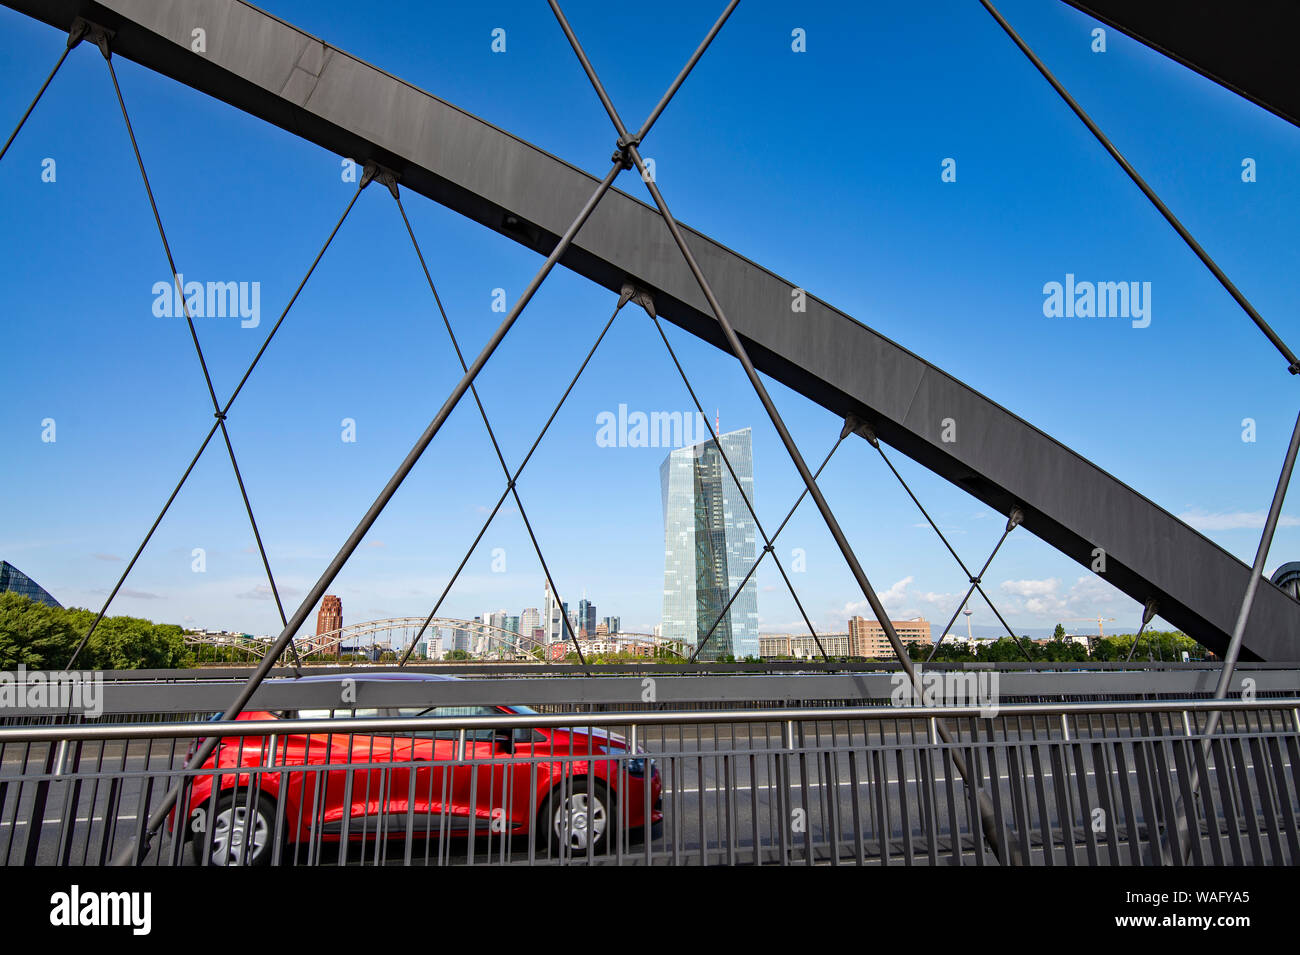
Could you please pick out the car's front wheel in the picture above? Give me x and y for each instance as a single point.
(577, 819)
(241, 833)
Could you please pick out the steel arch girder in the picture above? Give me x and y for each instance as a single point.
(272, 70)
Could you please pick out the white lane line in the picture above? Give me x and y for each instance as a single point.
(57, 820)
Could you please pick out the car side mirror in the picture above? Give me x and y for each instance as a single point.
(503, 740)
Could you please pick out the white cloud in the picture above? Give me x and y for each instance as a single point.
(895, 595)
(896, 591)
(1031, 588)
(1040, 602)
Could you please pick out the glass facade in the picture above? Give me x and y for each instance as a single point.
(586, 617)
(13, 579)
(709, 546)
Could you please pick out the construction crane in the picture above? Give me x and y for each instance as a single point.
(1099, 618)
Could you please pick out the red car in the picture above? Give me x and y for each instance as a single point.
(388, 786)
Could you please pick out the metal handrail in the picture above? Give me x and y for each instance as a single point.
(396, 725)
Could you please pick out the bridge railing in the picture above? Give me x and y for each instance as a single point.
(1118, 782)
(146, 696)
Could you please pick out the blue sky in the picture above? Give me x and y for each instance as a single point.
(824, 166)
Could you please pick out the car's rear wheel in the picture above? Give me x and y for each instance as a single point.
(578, 818)
(242, 832)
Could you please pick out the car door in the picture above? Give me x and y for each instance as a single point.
(447, 789)
(348, 794)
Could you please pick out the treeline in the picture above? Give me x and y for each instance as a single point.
(44, 638)
(1160, 645)
(623, 656)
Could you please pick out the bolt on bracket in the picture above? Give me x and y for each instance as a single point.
(634, 293)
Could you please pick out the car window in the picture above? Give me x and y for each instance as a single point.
(449, 712)
(364, 713)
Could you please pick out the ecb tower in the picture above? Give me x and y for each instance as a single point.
(709, 546)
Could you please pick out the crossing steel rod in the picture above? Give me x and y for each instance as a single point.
(496, 447)
(975, 580)
(1293, 363)
(207, 377)
(754, 566)
(140, 550)
(213, 430)
(518, 471)
(1234, 646)
(1012, 523)
(1293, 366)
(79, 29)
(134, 853)
(629, 148)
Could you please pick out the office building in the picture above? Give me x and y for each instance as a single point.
(802, 646)
(867, 637)
(330, 618)
(709, 546)
(586, 618)
(553, 616)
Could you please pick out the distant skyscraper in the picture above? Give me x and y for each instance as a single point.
(613, 625)
(529, 621)
(530, 618)
(494, 635)
(330, 618)
(553, 616)
(586, 618)
(709, 546)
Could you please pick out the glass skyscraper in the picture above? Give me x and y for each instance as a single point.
(709, 545)
(13, 579)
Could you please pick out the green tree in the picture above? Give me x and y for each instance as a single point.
(42, 637)
(33, 634)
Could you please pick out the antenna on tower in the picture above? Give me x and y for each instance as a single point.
(717, 422)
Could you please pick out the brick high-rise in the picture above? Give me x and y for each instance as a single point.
(330, 618)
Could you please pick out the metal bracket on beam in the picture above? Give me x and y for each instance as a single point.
(78, 32)
(634, 293)
(855, 425)
(1015, 518)
(374, 171)
(1149, 613)
(83, 29)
